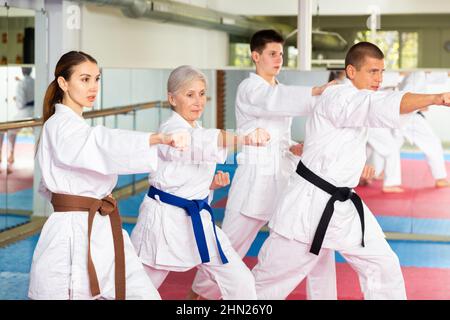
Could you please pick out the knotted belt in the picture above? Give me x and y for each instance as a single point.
(105, 206)
(193, 208)
(337, 194)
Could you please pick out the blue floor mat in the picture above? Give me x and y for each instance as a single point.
(395, 224)
(414, 225)
(8, 221)
(15, 260)
(124, 180)
(15, 265)
(425, 254)
(129, 207)
(20, 200)
(419, 156)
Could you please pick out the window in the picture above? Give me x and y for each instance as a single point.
(400, 48)
(240, 55)
(292, 54)
(410, 50)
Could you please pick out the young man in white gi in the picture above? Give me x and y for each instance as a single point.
(263, 173)
(319, 211)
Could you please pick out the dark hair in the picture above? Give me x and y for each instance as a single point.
(26, 71)
(64, 68)
(358, 52)
(261, 38)
(334, 74)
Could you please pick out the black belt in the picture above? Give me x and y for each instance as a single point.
(337, 194)
(29, 104)
(420, 113)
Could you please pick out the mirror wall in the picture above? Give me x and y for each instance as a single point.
(422, 208)
(17, 75)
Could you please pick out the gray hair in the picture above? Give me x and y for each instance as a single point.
(182, 76)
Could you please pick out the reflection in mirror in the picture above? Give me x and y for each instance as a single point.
(419, 152)
(19, 36)
(20, 92)
(3, 108)
(410, 192)
(17, 76)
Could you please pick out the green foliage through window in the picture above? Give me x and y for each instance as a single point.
(400, 48)
(240, 55)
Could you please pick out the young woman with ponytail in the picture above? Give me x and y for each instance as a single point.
(82, 252)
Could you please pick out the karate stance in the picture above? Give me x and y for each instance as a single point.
(82, 252)
(416, 130)
(262, 173)
(176, 229)
(319, 211)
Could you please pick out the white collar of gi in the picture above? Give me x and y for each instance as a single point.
(62, 108)
(178, 118)
(348, 82)
(255, 76)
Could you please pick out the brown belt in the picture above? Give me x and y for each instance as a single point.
(105, 206)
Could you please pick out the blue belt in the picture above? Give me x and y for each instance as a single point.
(193, 208)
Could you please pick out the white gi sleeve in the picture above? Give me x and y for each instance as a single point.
(203, 148)
(414, 82)
(21, 95)
(99, 149)
(43, 191)
(259, 99)
(437, 77)
(210, 196)
(349, 107)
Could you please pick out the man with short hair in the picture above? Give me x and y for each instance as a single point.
(319, 212)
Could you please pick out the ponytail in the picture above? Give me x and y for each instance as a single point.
(53, 95)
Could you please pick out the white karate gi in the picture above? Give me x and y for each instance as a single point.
(335, 150)
(24, 95)
(164, 237)
(385, 155)
(81, 160)
(416, 128)
(263, 173)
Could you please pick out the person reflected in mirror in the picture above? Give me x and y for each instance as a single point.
(24, 101)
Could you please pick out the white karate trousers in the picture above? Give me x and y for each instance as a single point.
(283, 264)
(418, 131)
(234, 280)
(242, 231)
(385, 155)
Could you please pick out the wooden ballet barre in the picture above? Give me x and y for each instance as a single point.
(37, 122)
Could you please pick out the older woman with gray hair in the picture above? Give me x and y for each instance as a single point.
(176, 229)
